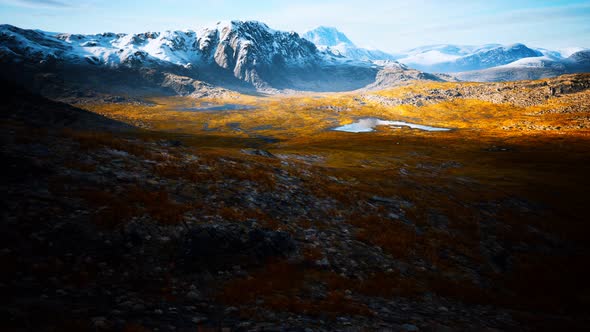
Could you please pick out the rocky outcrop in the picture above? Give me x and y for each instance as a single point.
(395, 75)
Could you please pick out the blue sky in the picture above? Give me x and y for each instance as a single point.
(389, 25)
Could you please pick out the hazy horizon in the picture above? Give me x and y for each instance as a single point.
(387, 25)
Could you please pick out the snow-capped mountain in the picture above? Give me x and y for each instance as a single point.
(247, 49)
(548, 65)
(249, 55)
(223, 44)
(335, 43)
(236, 55)
(454, 58)
(580, 57)
(494, 62)
(252, 51)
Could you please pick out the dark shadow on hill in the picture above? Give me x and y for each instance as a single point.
(61, 80)
(22, 106)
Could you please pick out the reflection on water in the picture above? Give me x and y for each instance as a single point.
(366, 125)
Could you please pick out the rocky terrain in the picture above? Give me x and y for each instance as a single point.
(537, 92)
(394, 74)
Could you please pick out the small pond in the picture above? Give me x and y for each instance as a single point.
(367, 125)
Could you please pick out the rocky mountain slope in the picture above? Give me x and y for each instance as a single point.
(240, 47)
(237, 55)
(395, 74)
(246, 56)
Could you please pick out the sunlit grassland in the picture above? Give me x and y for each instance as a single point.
(490, 161)
(310, 116)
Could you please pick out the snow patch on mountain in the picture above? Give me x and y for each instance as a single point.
(30, 43)
(533, 62)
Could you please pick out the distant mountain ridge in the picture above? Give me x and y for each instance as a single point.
(532, 68)
(495, 62)
(451, 58)
(488, 62)
(337, 44)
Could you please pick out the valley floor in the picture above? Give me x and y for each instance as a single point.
(264, 218)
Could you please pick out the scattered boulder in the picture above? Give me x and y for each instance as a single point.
(258, 152)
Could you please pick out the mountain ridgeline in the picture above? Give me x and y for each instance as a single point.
(236, 55)
(251, 57)
(494, 62)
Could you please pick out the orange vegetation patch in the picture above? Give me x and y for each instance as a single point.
(394, 237)
(210, 169)
(282, 286)
(89, 140)
(133, 327)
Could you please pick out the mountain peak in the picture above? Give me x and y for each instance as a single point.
(516, 46)
(244, 25)
(327, 36)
